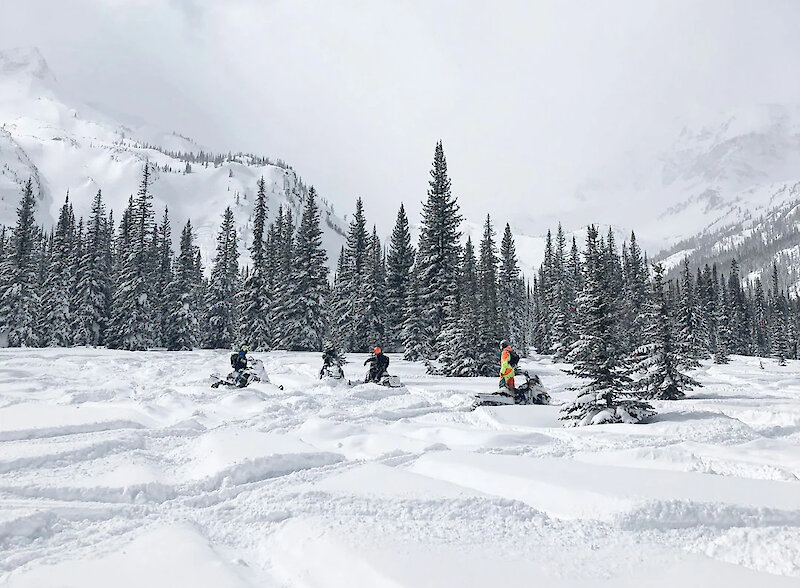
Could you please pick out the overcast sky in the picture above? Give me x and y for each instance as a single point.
(530, 98)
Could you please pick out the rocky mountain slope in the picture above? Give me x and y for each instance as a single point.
(66, 146)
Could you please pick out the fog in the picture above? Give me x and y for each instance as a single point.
(534, 101)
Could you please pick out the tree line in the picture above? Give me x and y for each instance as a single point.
(444, 301)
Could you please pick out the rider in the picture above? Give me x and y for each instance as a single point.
(508, 361)
(330, 358)
(379, 364)
(239, 364)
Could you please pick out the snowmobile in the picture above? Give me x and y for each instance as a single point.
(530, 391)
(390, 381)
(334, 374)
(254, 372)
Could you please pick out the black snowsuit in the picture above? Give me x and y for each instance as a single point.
(239, 364)
(379, 364)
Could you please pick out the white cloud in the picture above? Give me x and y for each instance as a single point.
(529, 98)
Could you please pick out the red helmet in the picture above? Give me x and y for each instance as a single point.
(377, 350)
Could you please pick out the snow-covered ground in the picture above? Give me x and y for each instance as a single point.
(126, 469)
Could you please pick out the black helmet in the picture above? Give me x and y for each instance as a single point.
(503, 344)
(328, 346)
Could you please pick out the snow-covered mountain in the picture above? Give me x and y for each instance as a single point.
(727, 186)
(740, 184)
(64, 145)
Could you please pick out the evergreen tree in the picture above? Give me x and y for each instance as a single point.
(722, 327)
(182, 331)
(661, 357)
(510, 293)
(562, 337)
(306, 313)
(597, 356)
(691, 339)
(164, 275)
(373, 316)
(488, 321)
(458, 339)
(414, 346)
(19, 298)
(399, 260)
(220, 319)
(93, 287)
(134, 304)
(57, 322)
(760, 321)
(255, 300)
(439, 248)
(349, 295)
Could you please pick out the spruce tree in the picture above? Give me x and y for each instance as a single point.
(488, 319)
(349, 295)
(373, 317)
(597, 356)
(458, 339)
(399, 260)
(255, 299)
(220, 327)
(134, 301)
(659, 360)
(306, 314)
(57, 325)
(439, 248)
(164, 276)
(182, 327)
(509, 293)
(414, 345)
(19, 298)
(722, 325)
(690, 328)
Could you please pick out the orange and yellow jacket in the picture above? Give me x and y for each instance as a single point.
(506, 369)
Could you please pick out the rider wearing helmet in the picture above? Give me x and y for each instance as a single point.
(239, 363)
(379, 363)
(508, 361)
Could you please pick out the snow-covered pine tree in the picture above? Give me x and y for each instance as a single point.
(458, 339)
(707, 295)
(488, 317)
(163, 276)
(738, 313)
(306, 314)
(372, 295)
(778, 325)
(19, 298)
(284, 250)
(760, 321)
(399, 260)
(547, 297)
(661, 358)
(255, 299)
(691, 338)
(349, 300)
(597, 356)
(56, 326)
(439, 248)
(562, 337)
(722, 326)
(634, 295)
(414, 345)
(510, 293)
(182, 327)
(134, 304)
(220, 327)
